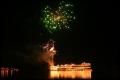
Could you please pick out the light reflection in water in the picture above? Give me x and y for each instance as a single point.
(7, 72)
(85, 74)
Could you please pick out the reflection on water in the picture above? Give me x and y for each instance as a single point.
(73, 71)
(84, 74)
(54, 74)
(8, 72)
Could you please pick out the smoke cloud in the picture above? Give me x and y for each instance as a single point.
(39, 54)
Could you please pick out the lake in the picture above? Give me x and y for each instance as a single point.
(13, 73)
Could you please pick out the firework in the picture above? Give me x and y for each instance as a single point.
(59, 18)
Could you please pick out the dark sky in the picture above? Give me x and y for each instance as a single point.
(22, 27)
(92, 39)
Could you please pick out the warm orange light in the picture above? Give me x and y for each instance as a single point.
(71, 74)
(71, 71)
(6, 72)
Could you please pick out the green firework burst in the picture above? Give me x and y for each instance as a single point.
(58, 19)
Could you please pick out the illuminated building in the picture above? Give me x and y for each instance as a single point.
(71, 71)
(82, 70)
(71, 67)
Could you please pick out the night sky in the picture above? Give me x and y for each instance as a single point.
(86, 41)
